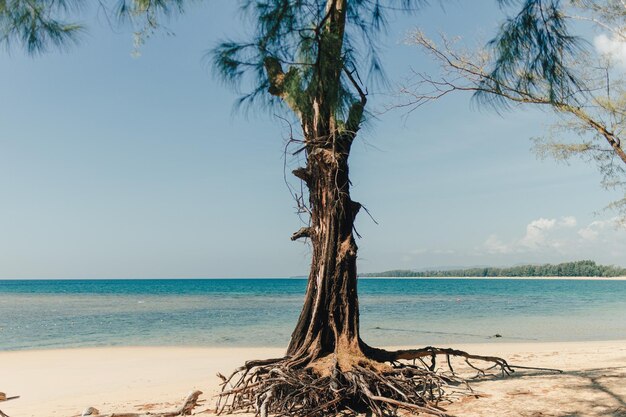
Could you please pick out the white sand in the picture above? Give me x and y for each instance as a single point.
(64, 382)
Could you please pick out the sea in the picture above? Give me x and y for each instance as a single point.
(48, 314)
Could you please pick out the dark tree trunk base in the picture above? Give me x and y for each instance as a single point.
(378, 381)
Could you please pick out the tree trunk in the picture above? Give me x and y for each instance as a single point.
(328, 326)
(327, 332)
(329, 321)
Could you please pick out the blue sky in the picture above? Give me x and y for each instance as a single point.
(119, 166)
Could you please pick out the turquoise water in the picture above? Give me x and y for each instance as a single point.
(262, 312)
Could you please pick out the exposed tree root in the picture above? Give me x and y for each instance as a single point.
(275, 387)
(432, 353)
(184, 410)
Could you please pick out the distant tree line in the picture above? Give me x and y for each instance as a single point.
(567, 269)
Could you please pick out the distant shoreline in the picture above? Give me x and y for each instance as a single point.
(585, 269)
(555, 278)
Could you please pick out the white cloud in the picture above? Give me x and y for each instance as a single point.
(494, 245)
(588, 233)
(612, 47)
(541, 234)
(568, 221)
(560, 238)
(593, 230)
(536, 233)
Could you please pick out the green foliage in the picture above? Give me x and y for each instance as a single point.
(297, 37)
(535, 61)
(566, 269)
(37, 24)
(533, 50)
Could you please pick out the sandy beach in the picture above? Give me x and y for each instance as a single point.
(64, 382)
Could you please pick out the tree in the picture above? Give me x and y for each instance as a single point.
(584, 89)
(309, 56)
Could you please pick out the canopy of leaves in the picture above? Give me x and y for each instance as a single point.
(295, 35)
(532, 52)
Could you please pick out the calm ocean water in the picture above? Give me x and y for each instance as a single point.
(262, 312)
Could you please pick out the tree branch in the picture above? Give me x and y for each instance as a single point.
(277, 79)
(302, 173)
(355, 114)
(275, 75)
(303, 232)
(466, 73)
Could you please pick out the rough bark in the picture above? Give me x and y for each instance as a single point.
(329, 321)
(328, 326)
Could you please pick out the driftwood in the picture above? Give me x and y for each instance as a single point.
(184, 410)
(3, 397)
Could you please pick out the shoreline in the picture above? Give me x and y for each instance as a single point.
(63, 382)
(487, 343)
(491, 345)
(556, 278)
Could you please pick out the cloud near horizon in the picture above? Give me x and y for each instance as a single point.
(541, 240)
(561, 236)
(539, 236)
